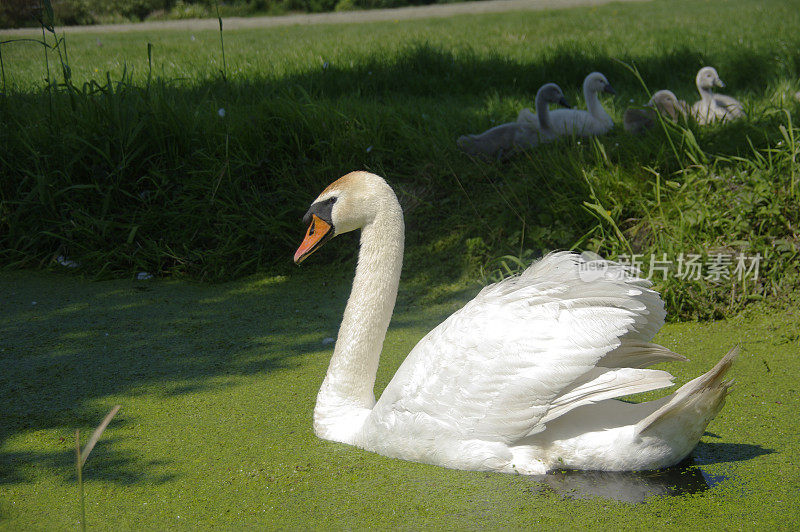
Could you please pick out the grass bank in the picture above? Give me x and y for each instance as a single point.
(157, 156)
(217, 386)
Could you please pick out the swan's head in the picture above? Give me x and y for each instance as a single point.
(551, 93)
(707, 78)
(349, 203)
(597, 82)
(667, 103)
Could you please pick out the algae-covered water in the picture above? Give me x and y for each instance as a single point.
(217, 385)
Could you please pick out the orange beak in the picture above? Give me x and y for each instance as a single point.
(318, 233)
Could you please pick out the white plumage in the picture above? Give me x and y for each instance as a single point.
(594, 121)
(713, 107)
(547, 94)
(521, 379)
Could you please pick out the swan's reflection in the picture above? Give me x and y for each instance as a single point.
(634, 487)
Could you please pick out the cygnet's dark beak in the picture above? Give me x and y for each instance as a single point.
(718, 83)
(564, 103)
(609, 89)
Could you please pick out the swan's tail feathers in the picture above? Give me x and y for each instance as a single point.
(697, 401)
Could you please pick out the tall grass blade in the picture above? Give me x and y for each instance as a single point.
(149, 64)
(2, 69)
(604, 215)
(79, 467)
(48, 17)
(97, 433)
(221, 44)
(82, 455)
(66, 70)
(791, 145)
(47, 70)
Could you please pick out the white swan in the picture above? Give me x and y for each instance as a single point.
(595, 121)
(507, 138)
(639, 120)
(521, 379)
(713, 107)
(547, 94)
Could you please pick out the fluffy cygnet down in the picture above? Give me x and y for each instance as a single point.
(594, 121)
(713, 107)
(506, 139)
(638, 121)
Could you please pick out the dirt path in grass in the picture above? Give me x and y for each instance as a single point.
(346, 17)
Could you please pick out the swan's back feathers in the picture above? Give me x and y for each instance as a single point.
(526, 350)
(574, 281)
(526, 116)
(733, 108)
(579, 122)
(719, 107)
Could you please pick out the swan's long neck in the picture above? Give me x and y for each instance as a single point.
(706, 94)
(543, 113)
(346, 395)
(594, 106)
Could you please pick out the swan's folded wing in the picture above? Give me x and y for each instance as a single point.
(526, 116)
(524, 351)
(730, 106)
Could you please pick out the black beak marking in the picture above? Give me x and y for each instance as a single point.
(323, 210)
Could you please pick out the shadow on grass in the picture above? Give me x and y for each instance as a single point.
(108, 463)
(69, 348)
(707, 453)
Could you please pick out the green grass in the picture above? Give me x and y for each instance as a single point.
(130, 168)
(217, 386)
